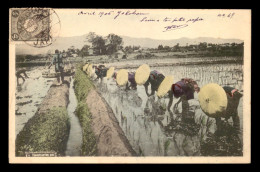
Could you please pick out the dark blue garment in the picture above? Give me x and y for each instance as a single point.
(228, 89)
(101, 72)
(131, 79)
(155, 79)
(180, 88)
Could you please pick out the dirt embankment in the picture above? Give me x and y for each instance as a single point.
(102, 135)
(110, 138)
(48, 129)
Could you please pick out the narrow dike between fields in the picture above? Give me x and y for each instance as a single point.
(73, 120)
(101, 133)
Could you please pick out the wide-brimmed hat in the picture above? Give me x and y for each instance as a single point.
(110, 72)
(142, 74)
(165, 86)
(89, 69)
(85, 67)
(122, 77)
(213, 100)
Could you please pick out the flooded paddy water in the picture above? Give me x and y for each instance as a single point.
(153, 131)
(29, 96)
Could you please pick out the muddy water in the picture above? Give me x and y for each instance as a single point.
(152, 131)
(29, 96)
(75, 136)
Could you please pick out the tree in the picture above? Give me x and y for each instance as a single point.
(203, 46)
(98, 43)
(176, 47)
(114, 43)
(84, 50)
(128, 49)
(167, 48)
(160, 47)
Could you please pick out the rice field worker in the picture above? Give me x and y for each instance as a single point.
(146, 77)
(59, 66)
(131, 84)
(221, 102)
(125, 79)
(19, 75)
(100, 71)
(183, 89)
(233, 98)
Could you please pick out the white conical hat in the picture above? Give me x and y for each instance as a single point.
(122, 77)
(165, 86)
(89, 69)
(142, 74)
(213, 100)
(110, 72)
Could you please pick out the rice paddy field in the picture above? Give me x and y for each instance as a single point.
(150, 129)
(153, 131)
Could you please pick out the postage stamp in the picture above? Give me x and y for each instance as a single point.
(34, 26)
(129, 85)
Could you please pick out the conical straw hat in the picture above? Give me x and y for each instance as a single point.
(89, 69)
(122, 77)
(110, 72)
(142, 74)
(165, 86)
(85, 67)
(213, 100)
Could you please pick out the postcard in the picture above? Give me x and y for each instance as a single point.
(129, 85)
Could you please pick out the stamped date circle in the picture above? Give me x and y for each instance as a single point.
(38, 27)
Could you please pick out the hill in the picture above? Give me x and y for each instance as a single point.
(63, 43)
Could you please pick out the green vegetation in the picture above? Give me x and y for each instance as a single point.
(82, 87)
(45, 132)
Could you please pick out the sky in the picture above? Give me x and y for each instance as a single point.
(147, 23)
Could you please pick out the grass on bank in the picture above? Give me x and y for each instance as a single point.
(46, 132)
(82, 86)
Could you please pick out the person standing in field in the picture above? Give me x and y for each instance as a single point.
(155, 79)
(183, 89)
(59, 65)
(233, 97)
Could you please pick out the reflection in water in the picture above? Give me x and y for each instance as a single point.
(29, 95)
(154, 131)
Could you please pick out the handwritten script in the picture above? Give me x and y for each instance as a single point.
(176, 22)
(171, 23)
(115, 14)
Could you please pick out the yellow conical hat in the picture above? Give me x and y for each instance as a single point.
(85, 67)
(142, 74)
(165, 86)
(122, 77)
(110, 72)
(89, 69)
(213, 100)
